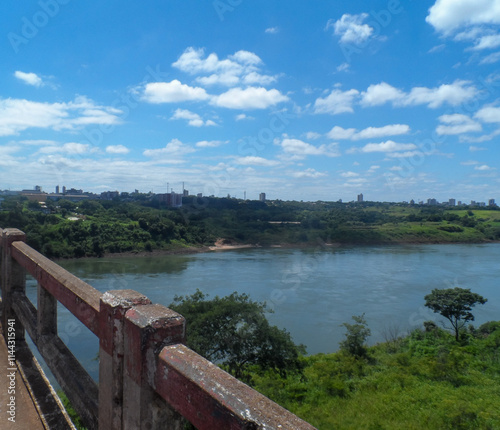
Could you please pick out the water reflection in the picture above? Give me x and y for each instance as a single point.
(98, 268)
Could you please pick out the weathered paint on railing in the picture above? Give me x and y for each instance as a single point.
(216, 399)
(81, 299)
(147, 378)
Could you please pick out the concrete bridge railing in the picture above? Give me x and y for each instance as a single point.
(148, 378)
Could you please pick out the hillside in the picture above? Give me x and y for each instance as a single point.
(95, 228)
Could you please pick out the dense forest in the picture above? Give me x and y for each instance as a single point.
(65, 229)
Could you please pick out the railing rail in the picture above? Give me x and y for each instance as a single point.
(148, 379)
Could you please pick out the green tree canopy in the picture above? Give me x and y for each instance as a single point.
(355, 338)
(455, 304)
(235, 332)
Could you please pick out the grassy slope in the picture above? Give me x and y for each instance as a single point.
(425, 381)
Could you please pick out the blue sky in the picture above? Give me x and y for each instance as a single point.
(318, 100)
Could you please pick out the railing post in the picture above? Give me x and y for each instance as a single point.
(113, 305)
(148, 329)
(13, 279)
(46, 313)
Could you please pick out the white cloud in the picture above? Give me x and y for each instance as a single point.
(469, 21)
(301, 149)
(473, 148)
(242, 116)
(272, 30)
(483, 168)
(337, 102)
(243, 67)
(405, 154)
(388, 146)
(38, 142)
(255, 161)
(192, 61)
(380, 94)
(457, 124)
(369, 132)
(488, 114)
(227, 79)
(447, 16)
(117, 149)
(17, 115)
(344, 67)
(172, 92)
(193, 119)
(210, 143)
(71, 148)
(490, 59)
(354, 182)
(245, 57)
(173, 150)
(387, 130)
(437, 48)
(339, 133)
(349, 174)
(452, 94)
(312, 135)
(254, 78)
(309, 173)
(29, 78)
(351, 29)
(249, 98)
(487, 42)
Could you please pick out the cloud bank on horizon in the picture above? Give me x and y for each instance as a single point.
(393, 100)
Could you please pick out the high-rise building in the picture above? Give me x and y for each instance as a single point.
(57, 189)
(262, 197)
(171, 199)
(491, 202)
(360, 198)
(452, 202)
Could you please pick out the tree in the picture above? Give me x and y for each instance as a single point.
(234, 332)
(455, 304)
(356, 336)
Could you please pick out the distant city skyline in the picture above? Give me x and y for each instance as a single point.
(262, 196)
(310, 101)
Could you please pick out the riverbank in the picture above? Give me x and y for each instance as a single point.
(318, 245)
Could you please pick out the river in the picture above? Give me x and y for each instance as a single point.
(310, 291)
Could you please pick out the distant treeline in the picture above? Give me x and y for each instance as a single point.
(65, 229)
